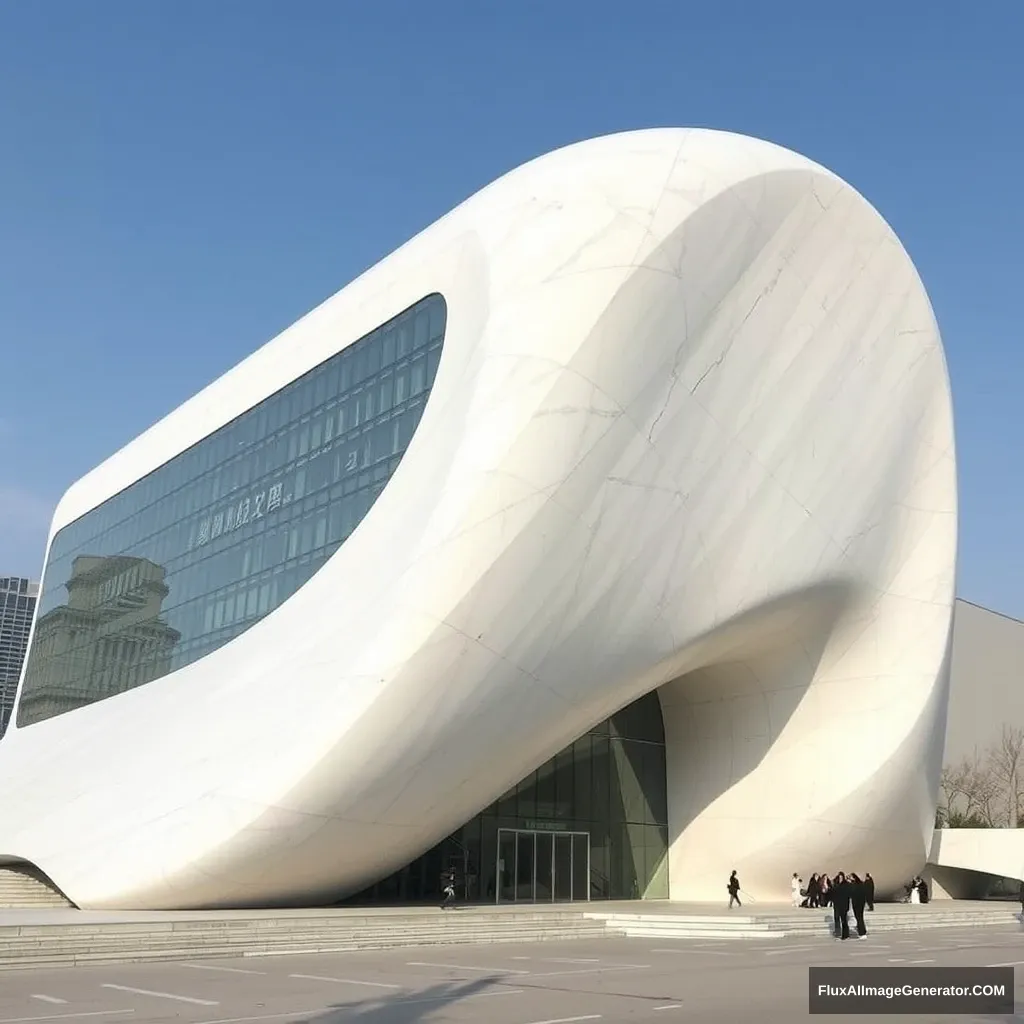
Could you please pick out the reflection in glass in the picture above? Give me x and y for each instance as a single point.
(108, 637)
(192, 555)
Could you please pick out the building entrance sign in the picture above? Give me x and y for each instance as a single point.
(537, 866)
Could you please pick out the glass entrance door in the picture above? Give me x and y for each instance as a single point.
(506, 873)
(526, 866)
(542, 867)
(544, 887)
(563, 866)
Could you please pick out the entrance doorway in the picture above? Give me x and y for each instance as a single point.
(542, 867)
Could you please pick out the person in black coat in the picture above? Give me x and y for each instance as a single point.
(734, 890)
(858, 897)
(841, 906)
(869, 891)
(814, 891)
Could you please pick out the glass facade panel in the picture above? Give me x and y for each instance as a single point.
(610, 785)
(192, 555)
(545, 866)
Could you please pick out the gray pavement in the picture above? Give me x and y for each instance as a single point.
(605, 980)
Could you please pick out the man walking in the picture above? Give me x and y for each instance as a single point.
(734, 890)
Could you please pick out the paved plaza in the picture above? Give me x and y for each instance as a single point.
(608, 980)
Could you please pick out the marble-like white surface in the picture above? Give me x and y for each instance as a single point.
(991, 851)
(692, 432)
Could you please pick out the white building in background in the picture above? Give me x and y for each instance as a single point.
(613, 515)
(17, 605)
(984, 758)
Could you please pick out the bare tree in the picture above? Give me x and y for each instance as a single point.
(972, 794)
(1005, 764)
(987, 790)
(985, 796)
(954, 784)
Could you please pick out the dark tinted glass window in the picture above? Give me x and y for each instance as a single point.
(608, 788)
(195, 553)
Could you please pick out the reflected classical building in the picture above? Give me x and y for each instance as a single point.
(107, 637)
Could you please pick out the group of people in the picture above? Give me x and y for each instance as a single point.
(916, 891)
(819, 891)
(843, 893)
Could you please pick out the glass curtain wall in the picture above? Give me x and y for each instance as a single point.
(193, 554)
(609, 784)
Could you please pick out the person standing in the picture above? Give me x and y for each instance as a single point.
(814, 891)
(734, 890)
(858, 897)
(826, 891)
(794, 888)
(448, 887)
(869, 891)
(841, 906)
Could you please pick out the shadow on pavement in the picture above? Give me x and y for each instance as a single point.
(409, 1007)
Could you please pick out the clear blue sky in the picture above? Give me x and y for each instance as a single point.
(180, 180)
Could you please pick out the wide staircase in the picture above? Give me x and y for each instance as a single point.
(135, 938)
(22, 886)
(40, 938)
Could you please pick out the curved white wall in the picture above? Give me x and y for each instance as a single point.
(964, 861)
(691, 430)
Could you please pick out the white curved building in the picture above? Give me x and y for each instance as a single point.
(614, 514)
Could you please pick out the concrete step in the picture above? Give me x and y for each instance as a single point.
(129, 930)
(298, 936)
(69, 939)
(22, 886)
(642, 932)
(24, 946)
(667, 926)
